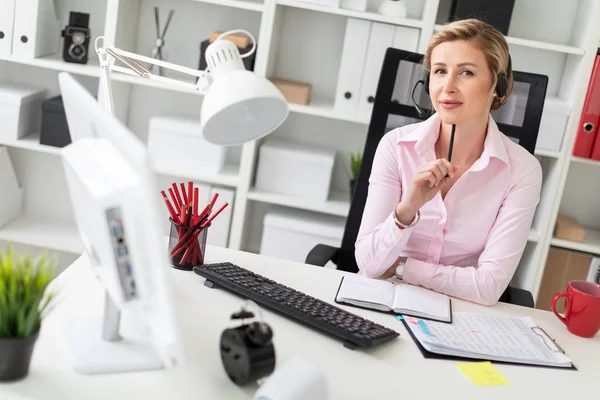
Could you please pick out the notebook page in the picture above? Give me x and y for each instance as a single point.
(416, 298)
(364, 289)
(505, 337)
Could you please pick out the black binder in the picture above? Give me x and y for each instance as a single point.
(428, 354)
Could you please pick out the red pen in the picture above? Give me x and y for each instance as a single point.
(176, 190)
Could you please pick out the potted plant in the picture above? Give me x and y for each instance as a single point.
(355, 160)
(24, 301)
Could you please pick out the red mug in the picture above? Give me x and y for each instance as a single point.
(582, 308)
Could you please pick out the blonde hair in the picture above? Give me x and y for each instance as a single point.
(487, 38)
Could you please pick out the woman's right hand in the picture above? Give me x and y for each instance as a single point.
(426, 183)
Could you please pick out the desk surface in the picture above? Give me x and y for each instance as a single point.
(392, 370)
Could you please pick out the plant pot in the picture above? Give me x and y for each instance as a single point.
(15, 356)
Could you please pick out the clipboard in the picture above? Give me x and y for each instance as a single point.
(427, 354)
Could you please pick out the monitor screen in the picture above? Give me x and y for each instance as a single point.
(114, 196)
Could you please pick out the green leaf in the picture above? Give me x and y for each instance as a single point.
(24, 295)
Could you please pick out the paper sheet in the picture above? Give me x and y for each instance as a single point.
(411, 297)
(369, 290)
(483, 374)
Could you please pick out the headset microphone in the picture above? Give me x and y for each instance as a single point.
(420, 111)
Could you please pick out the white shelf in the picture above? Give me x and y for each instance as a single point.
(322, 107)
(55, 62)
(536, 44)
(586, 161)
(244, 5)
(547, 153)
(32, 142)
(591, 244)
(43, 231)
(371, 16)
(338, 203)
(229, 176)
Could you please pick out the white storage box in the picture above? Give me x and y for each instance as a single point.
(553, 124)
(295, 169)
(11, 200)
(291, 234)
(20, 110)
(176, 146)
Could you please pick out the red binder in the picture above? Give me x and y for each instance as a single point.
(590, 117)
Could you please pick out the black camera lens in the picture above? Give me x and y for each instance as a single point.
(77, 51)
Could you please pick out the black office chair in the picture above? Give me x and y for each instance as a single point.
(519, 119)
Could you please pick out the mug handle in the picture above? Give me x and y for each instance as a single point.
(567, 300)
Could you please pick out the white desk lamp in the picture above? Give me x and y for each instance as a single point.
(239, 106)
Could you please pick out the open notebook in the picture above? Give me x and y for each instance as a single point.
(400, 298)
(489, 337)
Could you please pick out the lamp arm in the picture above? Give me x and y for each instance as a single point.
(107, 55)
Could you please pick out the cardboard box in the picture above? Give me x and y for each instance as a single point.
(562, 266)
(568, 228)
(294, 92)
(241, 41)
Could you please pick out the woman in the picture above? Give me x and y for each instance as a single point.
(457, 227)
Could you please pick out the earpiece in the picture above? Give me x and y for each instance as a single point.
(503, 80)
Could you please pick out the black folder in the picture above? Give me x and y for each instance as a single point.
(428, 354)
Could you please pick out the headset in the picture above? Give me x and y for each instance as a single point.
(500, 90)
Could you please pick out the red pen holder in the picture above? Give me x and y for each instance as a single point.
(187, 245)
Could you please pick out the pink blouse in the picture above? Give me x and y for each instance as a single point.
(467, 245)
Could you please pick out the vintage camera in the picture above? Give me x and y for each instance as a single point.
(77, 38)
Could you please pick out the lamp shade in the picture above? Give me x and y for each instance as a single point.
(239, 107)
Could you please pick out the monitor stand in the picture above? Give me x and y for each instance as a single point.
(97, 347)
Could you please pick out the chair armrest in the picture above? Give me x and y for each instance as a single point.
(520, 297)
(321, 254)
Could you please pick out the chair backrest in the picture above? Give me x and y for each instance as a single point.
(519, 119)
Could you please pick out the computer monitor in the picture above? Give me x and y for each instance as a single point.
(115, 202)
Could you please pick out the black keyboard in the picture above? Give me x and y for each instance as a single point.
(355, 331)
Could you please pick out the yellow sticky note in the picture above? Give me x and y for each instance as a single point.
(482, 374)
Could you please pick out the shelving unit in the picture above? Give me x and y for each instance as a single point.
(535, 44)
(371, 16)
(43, 231)
(302, 41)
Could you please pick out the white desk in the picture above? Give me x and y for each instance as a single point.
(393, 370)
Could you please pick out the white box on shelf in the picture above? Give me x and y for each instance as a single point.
(553, 124)
(291, 234)
(12, 193)
(295, 169)
(20, 109)
(176, 145)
